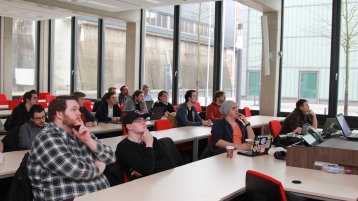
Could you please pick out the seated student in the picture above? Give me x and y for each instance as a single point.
(136, 102)
(163, 99)
(187, 115)
(109, 110)
(123, 96)
(86, 116)
(212, 111)
(140, 153)
(147, 96)
(30, 129)
(112, 89)
(66, 160)
(232, 130)
(301, 115)
(20, 114)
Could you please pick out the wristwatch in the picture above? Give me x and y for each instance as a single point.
(248, 124)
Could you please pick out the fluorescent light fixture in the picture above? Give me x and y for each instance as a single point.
(101, 4)
(152, 1)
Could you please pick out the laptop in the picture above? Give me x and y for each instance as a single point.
(330, 126)
(345, 128)
(149, 104)
(261, 145)
(156, 113)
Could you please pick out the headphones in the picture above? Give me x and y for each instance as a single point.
(280, 155)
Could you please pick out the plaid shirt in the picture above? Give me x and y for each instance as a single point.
(62, 167)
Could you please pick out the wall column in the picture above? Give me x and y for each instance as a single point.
(132, 56)
(6, 56)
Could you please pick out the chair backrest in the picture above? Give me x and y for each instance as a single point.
(42, 95)
(275, 127)
(122, 108)
(3, 97)
(175, 107)
(43, 104)
(124, 129)
(263, 187)
(13, 104)
(198, 107)
(88, 104)
(49, 98)
(173, 120)
(162, 124)
(247, 112)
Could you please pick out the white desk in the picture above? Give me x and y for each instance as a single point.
(11, 163)
(4, 107)
(262, 121)
(6, 113)
(111, 127)
(220, 178)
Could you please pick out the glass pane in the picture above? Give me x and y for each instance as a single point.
(197, 50)
(115, 52)
(348, 68)
(242, 54)
(86, 75)
(24, 41)
(61, 72)
(306, 47)
(158, 52)
(308, 85)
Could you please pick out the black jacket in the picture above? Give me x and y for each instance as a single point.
(18, 117)
(102, 112)
(167, 108)
(222, 130)
(87, 115)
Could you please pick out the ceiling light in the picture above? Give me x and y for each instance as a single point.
(152, 1)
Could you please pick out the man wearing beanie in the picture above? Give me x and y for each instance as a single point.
(232, 130)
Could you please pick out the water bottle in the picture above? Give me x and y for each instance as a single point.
(333, 168)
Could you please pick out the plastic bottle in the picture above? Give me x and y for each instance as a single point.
(333, 168)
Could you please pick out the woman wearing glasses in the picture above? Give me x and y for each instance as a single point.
(109, 110)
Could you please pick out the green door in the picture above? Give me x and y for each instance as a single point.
(308, 85)
(254, 84)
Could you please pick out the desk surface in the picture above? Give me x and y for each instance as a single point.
(11, 162)
(260, 120)
(178, 135)
(110, 127)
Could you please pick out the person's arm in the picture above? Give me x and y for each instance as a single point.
(143, 164)
(89, 117)
(129, 105)
(53, 155)
(24, 138)
(249, 130)
(162, 161)
(182, 117)
(143, 108)
(101, 114)
(314, 119)
(116, 111)
(210, 114)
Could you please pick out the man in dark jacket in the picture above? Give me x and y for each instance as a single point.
(20, 114)
(86, 116)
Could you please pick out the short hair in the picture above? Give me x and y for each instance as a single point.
(111, 88)
(160, 94)
(122, 87)
(145, 86)
(58, 105)
(218, 94)
(78, 95)
(136, 94)
(28, 95)
(108, 95)
(36, 108)
(300, 103)
(188, 94)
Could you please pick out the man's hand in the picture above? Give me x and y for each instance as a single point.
(243, 118)
(298, 130)
(101, 166)
(244, 146)
(115, 119)
(148, 138)
(207, 123)
(83, 133)
(312, 113)
(135, 173)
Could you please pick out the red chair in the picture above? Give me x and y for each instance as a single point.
(43, 104)
(247, 112)
(122, 108)
(198, 107)
(49, 98)
(262, 186)
(42, 95)
(275, 127)
(175, 107)
(162, 124)
(88, 105)
(13, 104)
(124, 129)
(3, 100)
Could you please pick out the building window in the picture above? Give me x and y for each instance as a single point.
(308, 85)
(254, 84)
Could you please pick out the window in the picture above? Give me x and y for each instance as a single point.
(348, 68)
(115, 52)
(308, 85)
(158, 55)
(306, 47)
(61, 71)
(242, 54)
(24, 41)
(86, 72)
(196, 52)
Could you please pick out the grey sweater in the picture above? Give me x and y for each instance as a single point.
(27, 134)
(130, 105)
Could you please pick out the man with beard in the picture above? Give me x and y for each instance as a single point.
(66, 160)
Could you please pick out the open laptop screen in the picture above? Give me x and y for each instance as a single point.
(343, 124)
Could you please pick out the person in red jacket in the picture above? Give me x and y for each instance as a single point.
(212, 111)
